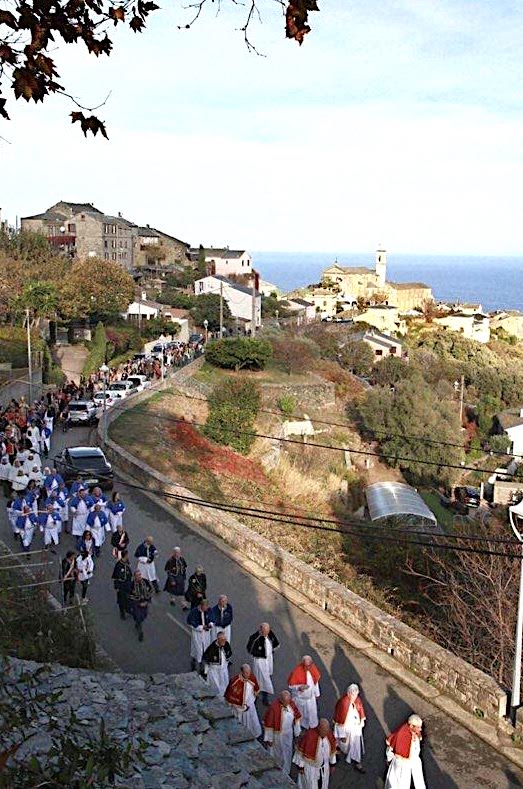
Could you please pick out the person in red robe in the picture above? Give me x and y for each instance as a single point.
(403, 753)
(315, 757)
(241, 693)
(349, 720)
(304, 687)
(281, 724)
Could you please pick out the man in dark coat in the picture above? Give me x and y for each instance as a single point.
(261, 646)
(216, 659)
(123, 582)
(140, 597)
(176, 569)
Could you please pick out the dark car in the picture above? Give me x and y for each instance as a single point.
(195, 339)
(89, 463)
(470, 497)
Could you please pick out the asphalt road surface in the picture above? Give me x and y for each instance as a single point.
(452, 756)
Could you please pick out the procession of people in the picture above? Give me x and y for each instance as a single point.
(41, 509)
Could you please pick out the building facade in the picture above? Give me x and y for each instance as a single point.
(238, 297)
(83, 231)
(353, 283)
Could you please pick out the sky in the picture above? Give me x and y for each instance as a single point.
(397, 122)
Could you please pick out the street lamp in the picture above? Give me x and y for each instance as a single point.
(206, 327)
(517, 512)
(104, 369)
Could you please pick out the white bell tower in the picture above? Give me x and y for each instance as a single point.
(381, 265)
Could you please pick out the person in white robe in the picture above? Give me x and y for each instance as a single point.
(5, 473)
(50, 526)
(79, 507)
(20, 480)
(216, 660)
(281, 723)
(261, 646)
(27, 523)
(199, 619)
(315, 756)
(222, 616)
(305, 690)
(98, 524)
(349, 720)
(403, 754)
(241, 694)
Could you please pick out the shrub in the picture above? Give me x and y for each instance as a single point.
(239, 353)
(233, 407)
(13, 345)
(287, 404)
(294, 355)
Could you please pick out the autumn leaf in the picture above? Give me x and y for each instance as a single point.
(296, 19)
(91, 124)
(3, 111)
(117, 14)
(136, 24)
(9, 19)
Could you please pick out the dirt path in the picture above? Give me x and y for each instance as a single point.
(71, 359)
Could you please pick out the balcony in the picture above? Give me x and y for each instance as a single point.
(62, 240)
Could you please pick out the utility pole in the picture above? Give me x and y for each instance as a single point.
(29, 360)
(514, 513)
(461, 399)
(253, 310)
(221, 310)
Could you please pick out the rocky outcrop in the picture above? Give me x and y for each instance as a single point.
(186, 736)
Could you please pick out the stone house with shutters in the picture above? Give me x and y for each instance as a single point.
(83, 231)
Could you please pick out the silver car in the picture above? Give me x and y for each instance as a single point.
(83, 412)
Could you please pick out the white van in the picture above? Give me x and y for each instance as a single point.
(139, 382)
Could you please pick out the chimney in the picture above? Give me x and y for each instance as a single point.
(120, 214)
(144, 295)
(147, 225)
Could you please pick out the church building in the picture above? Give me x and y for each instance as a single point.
(353, 283)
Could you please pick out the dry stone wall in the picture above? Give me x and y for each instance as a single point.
(187, 737)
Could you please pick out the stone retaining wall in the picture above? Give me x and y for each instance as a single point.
(310, 395)
(478, 693)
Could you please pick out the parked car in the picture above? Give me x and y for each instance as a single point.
(110, 399)
(194, 339)
(470, 497)
(87, 462)
(126, 388)
(83, 412)
(139, 382)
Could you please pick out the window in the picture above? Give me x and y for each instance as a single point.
(113, 255)
(113, 243)
(105, 243)
(393, 350)
(379, 353)
(106, 255)
(71, 228)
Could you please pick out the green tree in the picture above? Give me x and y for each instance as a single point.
(237, 353)
(202, 264)
(96, 287)
(400, 421)
(390, 371)
(356, 356)
(233, 407)
(98, 351)
(207, 307)
(486, 409)
(41, 298)
(270, 306)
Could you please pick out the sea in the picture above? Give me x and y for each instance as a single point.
(494, 282)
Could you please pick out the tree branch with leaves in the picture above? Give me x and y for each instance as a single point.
(29, 31)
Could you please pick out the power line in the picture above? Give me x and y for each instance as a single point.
(281, 518)
(354, 451)
(406, 436)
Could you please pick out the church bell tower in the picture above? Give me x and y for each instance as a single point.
(381, 265)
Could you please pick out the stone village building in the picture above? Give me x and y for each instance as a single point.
(354, 282)
(83, 231)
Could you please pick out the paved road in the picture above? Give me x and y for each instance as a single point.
(453, 757)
